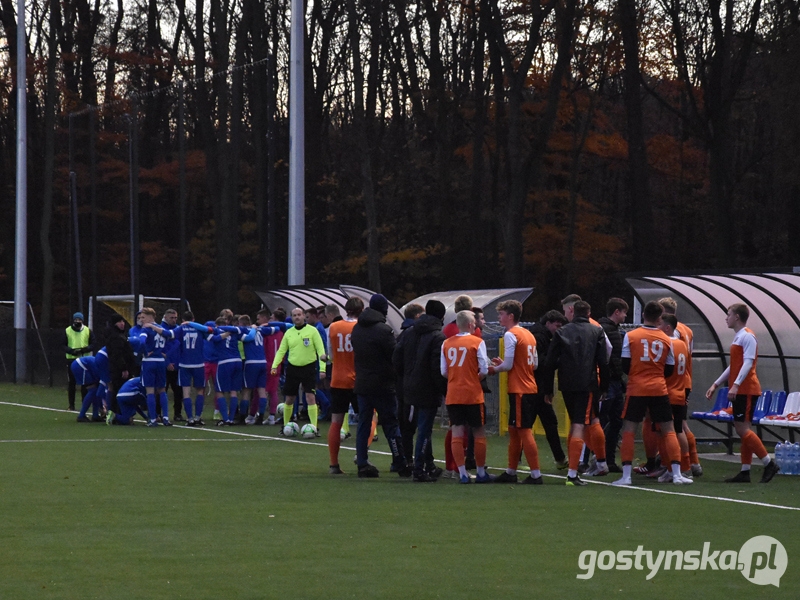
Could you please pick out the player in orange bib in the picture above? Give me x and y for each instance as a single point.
(519, 360)
(343, 376)
(464, 362)
(743, 392)
(685, 333)
(648, 358)
(676, 389)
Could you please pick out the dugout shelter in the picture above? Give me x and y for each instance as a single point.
(773, 297)
(304, 297)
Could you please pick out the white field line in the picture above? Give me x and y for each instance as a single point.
(255, 437)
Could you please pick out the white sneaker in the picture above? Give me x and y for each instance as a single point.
(687, 474)
(596, 471)
(622, 481)
(451, 475)
(270, 420)
(250, 420)
(665, 477)
(682, 480)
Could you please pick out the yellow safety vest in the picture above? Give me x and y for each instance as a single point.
(78, 339)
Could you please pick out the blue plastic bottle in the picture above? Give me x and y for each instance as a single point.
(791, 460)
(796, 459)
(780, 456)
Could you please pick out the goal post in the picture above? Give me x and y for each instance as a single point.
(102, 307)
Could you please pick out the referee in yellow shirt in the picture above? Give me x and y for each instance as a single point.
(306, 356)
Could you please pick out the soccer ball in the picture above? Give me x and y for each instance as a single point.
(291, 429)
(279, 410)
(309, 431)
(342, 435)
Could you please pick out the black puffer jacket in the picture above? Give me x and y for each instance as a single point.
(614, 335)
(373, 345)
(543, 375)
(120, 353)
(577, 350)
(416, 360)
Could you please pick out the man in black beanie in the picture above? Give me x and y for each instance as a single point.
(416, 359)
(373, 345)
(121, 361)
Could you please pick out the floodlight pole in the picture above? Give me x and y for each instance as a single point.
(182, 192)
(21, 244)
(297, 237)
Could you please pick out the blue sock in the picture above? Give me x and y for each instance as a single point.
(262, 405)
(199, 403)
(97, 402)
(187, 407)
(164, 405)
(232, 406)
(223, 408)
(244, 407)
(88, 400)
(151, 406)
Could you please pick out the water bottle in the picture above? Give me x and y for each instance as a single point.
(351, 417)
(780, 457)
(791, 460)
(796, 459)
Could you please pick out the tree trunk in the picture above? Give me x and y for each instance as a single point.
(49, 159)
(638, 168)
(361, 116)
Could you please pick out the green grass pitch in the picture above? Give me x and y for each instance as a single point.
(91, 511)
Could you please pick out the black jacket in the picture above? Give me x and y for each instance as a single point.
(542, 375)
(404, 329)
(373, 345)
(614, 335)
(578, 349)
(416, 363)
(120, 353)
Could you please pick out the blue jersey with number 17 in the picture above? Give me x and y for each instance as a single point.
(191, 347)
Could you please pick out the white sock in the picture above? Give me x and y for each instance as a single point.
(626, 471)
(602, 465)
(462, 470)
(572, 473)
(481, 471)
(766, 460)
(536, 473)
(511, 471)
(745, 467)
(676, 469)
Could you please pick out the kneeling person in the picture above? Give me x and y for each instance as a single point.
(132, 398)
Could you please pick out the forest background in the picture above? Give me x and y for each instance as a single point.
(450, 144)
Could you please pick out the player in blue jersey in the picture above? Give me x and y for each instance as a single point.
(255, 365)
(132, 398)
(137, 351)
(173, 352)
(228, 380)
(191, 368)
(154, 366)
(85, 372)
(103, 370)
(315, 316)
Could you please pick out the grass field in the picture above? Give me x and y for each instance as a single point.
(92, 511)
